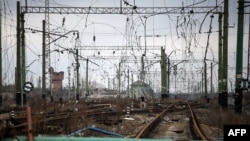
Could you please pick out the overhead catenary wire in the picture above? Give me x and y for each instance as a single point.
(190, 39)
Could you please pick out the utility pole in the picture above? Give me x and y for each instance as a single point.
(202, 83)
(175, 73)
(163, 73)
(168, 74)
(87, 78)
(239, 58)
(205, 78)
(47, 44)
(77, 75)
(128, 84)
(220, 69)
(225, 55)
(248, 55)
(18, 59)
(69, 74)
(23, 58)
(142, 75)
(1, 59)
(119, 79)
(239, 51)
(205, 58)
(211, 80)
(43, 63)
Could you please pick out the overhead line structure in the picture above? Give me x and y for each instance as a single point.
(123, 10)
(47, 48)
(125, 58)
(107, 10)
(117, 47)
(131, 58)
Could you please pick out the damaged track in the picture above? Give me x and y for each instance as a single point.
(165, 125)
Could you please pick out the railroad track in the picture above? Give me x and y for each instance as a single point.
(177, 122)
(142, 126)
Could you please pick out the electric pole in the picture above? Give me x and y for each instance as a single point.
(18, 58)
(43, 63)
(225, 55)
(87, 78)
(163, 73)
(239, 58)
(23, 56)
(220, 69)
(47, 45)
(119, 79)
(211, 80)
(77, 75)
(248, 55)
(239, 51)
(168, 76)
(205, 78)
(1, 59)
(128, 84)
(69, 75)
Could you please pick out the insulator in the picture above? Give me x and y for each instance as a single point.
(63, 21)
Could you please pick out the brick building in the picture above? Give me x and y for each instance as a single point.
(57, 78)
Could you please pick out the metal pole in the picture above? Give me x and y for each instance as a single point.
(248, 64)
(239, 51)
(43, 63)
(248, 60)
(29, 121)
(69, 74)
(239, 58)
(128, 84)
(23, 63)
(145, 34)
(87, 78)
(119, 79)
(163, 72)
(23, 49)
(205, 77)
(77, 75)
(142, 69)
(225, 47)
(1, 83)
(211, 79)
(18, 58)
(220, 69)
(168, 80)
(175, 84)
(51, 71)
(202, 83)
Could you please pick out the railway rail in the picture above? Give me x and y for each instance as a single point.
(142, 122)
(194, 127)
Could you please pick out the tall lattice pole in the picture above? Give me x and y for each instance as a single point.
(47, 47)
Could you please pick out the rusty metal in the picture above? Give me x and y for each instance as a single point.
(44, 118)
(152, 124)
(195, 125)
(30, 133)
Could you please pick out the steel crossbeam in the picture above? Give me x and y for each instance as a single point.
(123, 10)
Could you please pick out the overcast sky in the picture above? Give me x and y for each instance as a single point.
(185, 35)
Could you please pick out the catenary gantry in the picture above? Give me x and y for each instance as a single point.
(122, 10)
